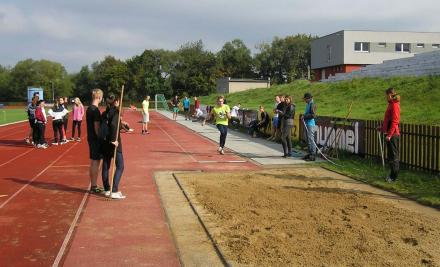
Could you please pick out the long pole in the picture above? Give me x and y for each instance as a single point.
(381, 149)
(113, 165)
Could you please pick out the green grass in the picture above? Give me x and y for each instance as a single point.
(420, 98)
(12, 115)
(419, 186)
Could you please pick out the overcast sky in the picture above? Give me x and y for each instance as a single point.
(80, 32)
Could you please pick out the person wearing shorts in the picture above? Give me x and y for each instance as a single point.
(93, 118)
(186, 104)
(175, 103)
(145, 115)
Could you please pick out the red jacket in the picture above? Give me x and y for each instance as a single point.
(39, 115)
(392, 118)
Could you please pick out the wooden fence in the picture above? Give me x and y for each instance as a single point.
(419, 145)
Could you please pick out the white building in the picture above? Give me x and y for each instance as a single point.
(346, 51)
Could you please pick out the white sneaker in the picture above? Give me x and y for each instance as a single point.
(63, 142)
(54, 143)
(117, 195)
(219, 149)
(106, 193)
(222, 152)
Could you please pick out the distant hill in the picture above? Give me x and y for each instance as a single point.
(420, 97)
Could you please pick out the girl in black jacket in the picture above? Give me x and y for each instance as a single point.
(111, 116)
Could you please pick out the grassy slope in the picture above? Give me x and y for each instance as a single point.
(420, 97)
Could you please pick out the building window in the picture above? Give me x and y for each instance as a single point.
(402, 47)
(383, 44)
(329, 53)
(361, 47)
(435, 45)
(420, 45)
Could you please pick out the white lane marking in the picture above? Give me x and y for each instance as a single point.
(22, 154)
(175, 142)
(71, 229)
(36, 176)
(222, 161)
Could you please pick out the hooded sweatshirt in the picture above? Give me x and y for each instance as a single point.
(392, 118)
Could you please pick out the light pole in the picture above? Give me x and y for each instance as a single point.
(53, 92)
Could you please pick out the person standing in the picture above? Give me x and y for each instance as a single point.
(310, 124)
(175, 103)
(30, 110)
(279, 110)
(78, 114)
(186, 105)
(108, 149)
(197, 109)
(57, 113)
(41, 120)
(145, 114)
(275, 131)
(288, 114)
(390, 128)
(65, 103)
(221, 113)
(93, 119)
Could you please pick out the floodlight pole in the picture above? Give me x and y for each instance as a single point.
(53, 92)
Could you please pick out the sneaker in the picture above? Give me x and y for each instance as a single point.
(117, 195)
(130, 130)
(96, 190)
(72, 139)
(63, 142)
(219, 149)
(54, 143)
(106, 193)
(222, 152)
(78, 139)
(27, 140)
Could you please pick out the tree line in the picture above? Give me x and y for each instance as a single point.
(191, 70)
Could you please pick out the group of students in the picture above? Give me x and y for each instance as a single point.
(38, 119)
(186, 103)
(105, 144)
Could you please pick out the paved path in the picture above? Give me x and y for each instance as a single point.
(259, 150)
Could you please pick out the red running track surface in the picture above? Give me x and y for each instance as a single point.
(45, 189)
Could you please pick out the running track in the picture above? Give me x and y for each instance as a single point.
(48, 218)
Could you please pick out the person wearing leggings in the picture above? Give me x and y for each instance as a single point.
(78, 114)
(287, 114)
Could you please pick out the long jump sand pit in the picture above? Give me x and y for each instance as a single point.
(312, 217)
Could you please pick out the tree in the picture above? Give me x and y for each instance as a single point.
(83, 83)
(235, 60)
(110, 74)
(285, 59)
(195, 70)
(5, 80)
(42, 73)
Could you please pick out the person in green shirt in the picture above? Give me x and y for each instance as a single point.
(145, 115)
(221, 113)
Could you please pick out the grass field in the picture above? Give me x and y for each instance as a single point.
(12, 115)
(420, 97)
(420, 186)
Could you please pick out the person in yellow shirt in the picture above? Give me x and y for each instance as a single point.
(221, 113)
(145, 115)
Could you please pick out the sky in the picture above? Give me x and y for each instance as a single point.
(79, 32)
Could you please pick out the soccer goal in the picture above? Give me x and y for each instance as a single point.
(160, 102)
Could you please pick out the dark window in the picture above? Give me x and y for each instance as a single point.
(362, 47)
(402, 47)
